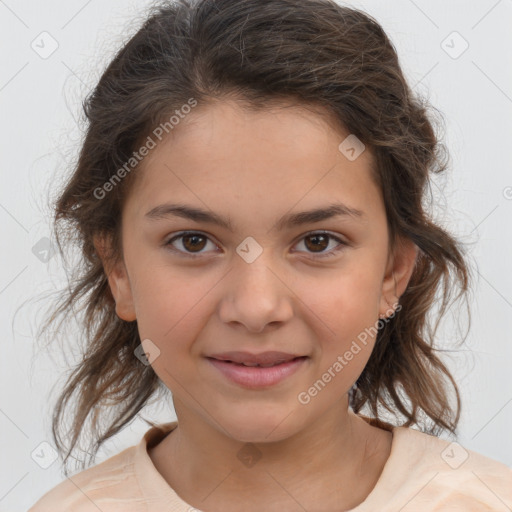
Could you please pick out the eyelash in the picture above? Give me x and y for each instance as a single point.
(328, 254)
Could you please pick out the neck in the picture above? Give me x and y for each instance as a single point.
(340, 456)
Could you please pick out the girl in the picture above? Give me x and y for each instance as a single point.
(249, 202)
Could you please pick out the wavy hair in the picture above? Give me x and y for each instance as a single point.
(315, 53)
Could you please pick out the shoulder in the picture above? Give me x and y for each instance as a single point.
(109, 486)
(448, 476)
(116, 484)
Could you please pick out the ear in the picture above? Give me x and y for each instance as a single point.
(117, 279)
(400, 265)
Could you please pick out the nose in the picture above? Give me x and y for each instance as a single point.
(256, 296)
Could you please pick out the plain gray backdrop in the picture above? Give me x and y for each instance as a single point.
(457, 53)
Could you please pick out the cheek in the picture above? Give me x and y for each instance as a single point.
(171, 308)
(344, 310)
(345, 302)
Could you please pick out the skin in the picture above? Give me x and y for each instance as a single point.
(254, 167)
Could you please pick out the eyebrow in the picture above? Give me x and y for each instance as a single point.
(289, 220)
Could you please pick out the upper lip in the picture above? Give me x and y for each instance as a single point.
(269, 357)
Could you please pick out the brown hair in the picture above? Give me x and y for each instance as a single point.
(313, 52)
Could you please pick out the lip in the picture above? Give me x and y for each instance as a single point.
(254, 377)
(263, 358)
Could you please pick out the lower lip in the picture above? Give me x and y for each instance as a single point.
(255, 377)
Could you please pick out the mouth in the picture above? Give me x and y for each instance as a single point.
(252, 375)
(262, 359)
(259, 365)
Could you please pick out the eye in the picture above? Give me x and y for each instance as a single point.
(193, 242)
(318, 241)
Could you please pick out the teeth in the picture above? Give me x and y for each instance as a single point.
(262, 365)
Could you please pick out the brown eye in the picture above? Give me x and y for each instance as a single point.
(318, 242)
(189, 244)
(194, 242)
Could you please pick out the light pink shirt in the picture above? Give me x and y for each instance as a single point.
(423, 473)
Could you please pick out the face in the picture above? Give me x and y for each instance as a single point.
(259, 283)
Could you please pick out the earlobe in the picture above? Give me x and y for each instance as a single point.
(118, 281)
(398, 273)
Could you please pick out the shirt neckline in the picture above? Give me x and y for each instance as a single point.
(158, 492)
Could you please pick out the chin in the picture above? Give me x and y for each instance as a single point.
(258, 426)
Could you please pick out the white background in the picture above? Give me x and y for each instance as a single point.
(40, 100)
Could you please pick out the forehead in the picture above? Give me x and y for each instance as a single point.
(223, 154)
